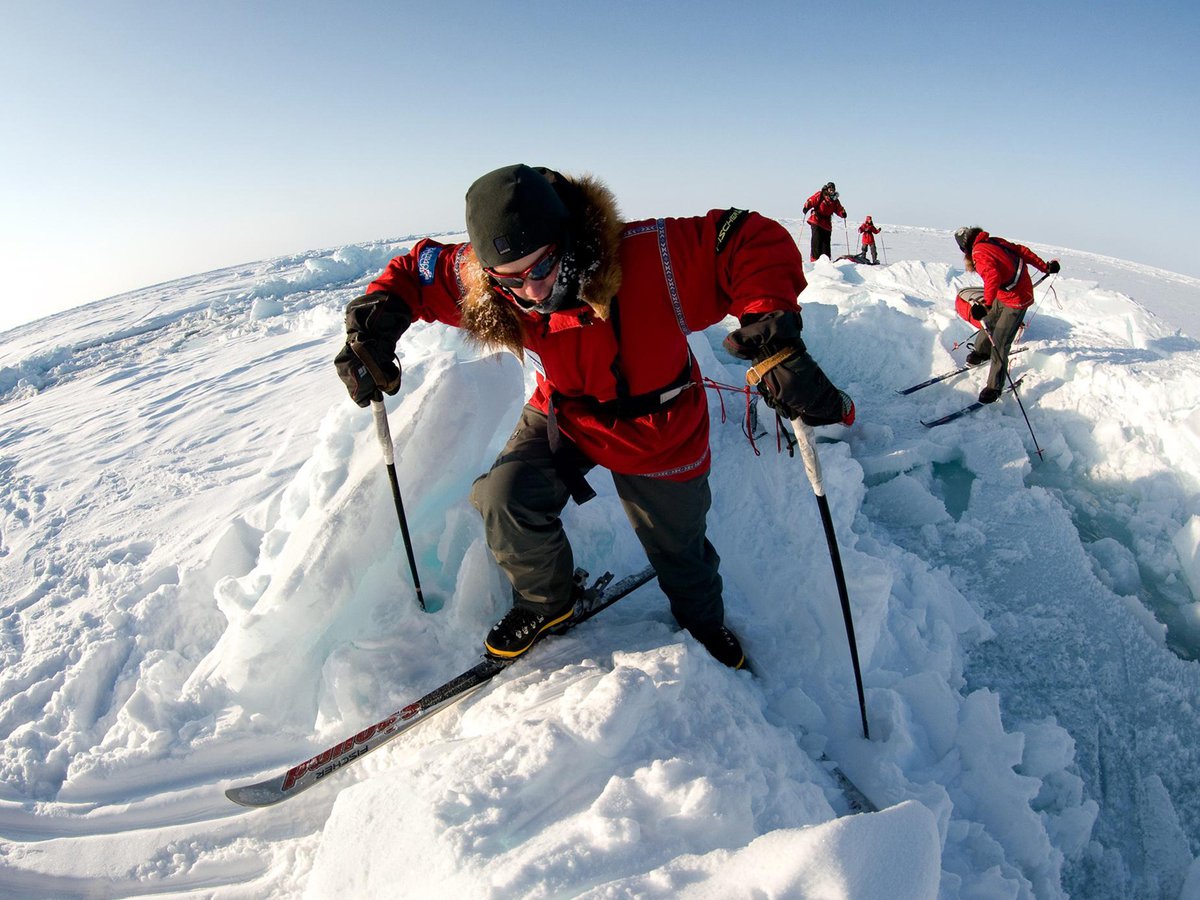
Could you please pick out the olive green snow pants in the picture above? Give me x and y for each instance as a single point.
(1003, 322)
(523, 495)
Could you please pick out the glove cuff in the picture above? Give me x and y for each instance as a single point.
(765, 336)
(377, 317)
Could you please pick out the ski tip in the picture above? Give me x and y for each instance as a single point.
(254, 796)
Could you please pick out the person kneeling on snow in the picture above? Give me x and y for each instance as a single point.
(1004, 268)
(602, 308)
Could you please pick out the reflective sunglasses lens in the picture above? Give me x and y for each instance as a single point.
(539, 270)
(543, 267)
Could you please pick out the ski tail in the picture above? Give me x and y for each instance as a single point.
(934, 380)
(604, 593)
(856, 799)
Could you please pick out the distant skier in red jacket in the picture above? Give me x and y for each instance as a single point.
(868, 231)
(824, 204)
(601, 308)
(1004, 268)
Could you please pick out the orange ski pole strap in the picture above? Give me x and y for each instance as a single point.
(756, 372)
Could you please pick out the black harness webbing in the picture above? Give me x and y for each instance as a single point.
(1018, 263)
(624, 406)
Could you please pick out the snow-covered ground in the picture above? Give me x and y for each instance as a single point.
(202, 582)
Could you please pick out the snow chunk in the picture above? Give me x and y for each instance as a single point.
(1187, 545)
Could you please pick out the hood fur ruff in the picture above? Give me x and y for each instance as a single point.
(492, 320)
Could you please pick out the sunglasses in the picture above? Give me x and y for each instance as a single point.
(541, 268)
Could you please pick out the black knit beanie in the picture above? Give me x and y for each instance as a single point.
(511, 212)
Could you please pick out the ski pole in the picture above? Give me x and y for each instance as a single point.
(1013, 387)
(812, 466)
(1025, 324)
(879, 237)
(1049, 288)
(389, 460)
(846, 226)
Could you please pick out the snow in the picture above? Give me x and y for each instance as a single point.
(203, 583)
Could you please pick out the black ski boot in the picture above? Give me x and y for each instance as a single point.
(722, 644)
(989, 395)
(520, 629)
(975, 358)
(522, 626)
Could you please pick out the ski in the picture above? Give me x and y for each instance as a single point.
(959, 413)
(855, 798)
(602, 594)
(936, 378)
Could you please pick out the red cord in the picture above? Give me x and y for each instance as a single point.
(744, 390)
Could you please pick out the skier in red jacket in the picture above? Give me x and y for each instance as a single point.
(602, 308)
(868, 231)
(1001, 303)
(824, 204)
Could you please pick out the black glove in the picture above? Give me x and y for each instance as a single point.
(367, 362)
(978, 311)
(354, 364)
(796, 387)
(1053, 268)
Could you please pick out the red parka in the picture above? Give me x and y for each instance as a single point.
(823, 210)
(868, 231)
(663, 279)
(1004, 268)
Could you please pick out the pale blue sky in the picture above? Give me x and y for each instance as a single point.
(145, 141)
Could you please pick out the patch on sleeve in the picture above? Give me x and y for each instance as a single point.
(427, 264)
(730, 222)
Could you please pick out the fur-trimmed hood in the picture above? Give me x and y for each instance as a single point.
(492, 320)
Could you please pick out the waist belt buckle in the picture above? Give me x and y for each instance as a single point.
(667, 396)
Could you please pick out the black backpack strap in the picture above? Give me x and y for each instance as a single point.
(727, 226)
(1017, 261)
(633, 406)
(614, 318)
